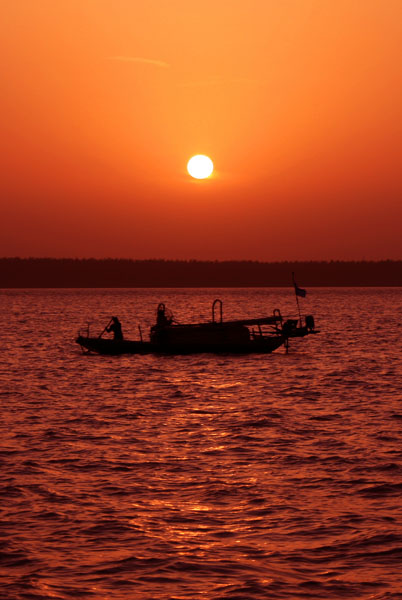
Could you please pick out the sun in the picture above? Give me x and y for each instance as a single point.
(200, 166)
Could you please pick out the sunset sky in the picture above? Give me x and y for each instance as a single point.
(297, 102)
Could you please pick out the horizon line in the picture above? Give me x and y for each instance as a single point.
(207, 260)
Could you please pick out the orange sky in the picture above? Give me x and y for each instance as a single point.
(297, 102)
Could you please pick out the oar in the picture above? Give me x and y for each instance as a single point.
(107, 326)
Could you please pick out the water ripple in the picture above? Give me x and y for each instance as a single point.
(201, 477)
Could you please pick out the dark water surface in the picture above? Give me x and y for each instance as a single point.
(201, 477)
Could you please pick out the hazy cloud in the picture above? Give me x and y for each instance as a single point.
(141, 60)
(212, 82)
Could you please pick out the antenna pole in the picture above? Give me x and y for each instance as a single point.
(297, 299)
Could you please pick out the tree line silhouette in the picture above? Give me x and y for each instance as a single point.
(89, 272)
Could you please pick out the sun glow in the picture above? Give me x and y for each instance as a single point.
(200, 166)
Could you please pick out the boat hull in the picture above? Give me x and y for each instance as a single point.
(265, 345)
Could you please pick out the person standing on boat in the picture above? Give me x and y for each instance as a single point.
(115, 327)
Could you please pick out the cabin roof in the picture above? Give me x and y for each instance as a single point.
(234, 323)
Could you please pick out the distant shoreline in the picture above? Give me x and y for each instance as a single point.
(155, 273)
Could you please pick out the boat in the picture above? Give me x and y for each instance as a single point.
(241, 336)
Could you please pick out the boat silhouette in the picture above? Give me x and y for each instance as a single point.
(241, 336)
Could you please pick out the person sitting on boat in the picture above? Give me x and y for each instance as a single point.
(115, 327)
(162, 318)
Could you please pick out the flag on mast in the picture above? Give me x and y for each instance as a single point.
(298, 291)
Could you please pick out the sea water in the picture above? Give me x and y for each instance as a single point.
(201, 477)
